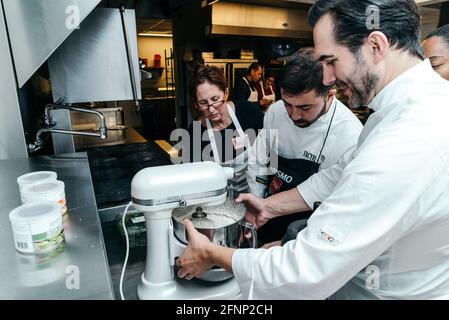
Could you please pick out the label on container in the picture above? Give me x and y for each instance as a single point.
(38, 237)
(63, 203)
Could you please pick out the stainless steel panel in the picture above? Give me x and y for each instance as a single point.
(258, 20)
(54, 275)
(12, 138)
(92, 65)
(62, 143)
(114, 119)
(38, 27)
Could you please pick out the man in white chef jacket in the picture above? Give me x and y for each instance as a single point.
(307, 131)
(382, 230)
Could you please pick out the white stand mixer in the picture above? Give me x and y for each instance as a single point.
(157, 191)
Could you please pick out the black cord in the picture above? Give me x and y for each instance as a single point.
(327, 134)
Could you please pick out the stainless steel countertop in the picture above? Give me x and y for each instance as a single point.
(77, 270)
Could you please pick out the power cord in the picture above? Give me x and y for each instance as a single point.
(127, 250)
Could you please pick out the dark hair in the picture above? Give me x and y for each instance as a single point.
(303, 73)
(205, 73)
(442, 32)
(253, 67)
(399, 20)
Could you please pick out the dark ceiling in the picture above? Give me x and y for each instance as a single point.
(156, 15)
(151, 15)
(164, 9)
(147, 9)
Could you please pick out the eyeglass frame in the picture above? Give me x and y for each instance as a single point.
(204, 107)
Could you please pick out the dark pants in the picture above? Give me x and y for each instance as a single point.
(276, 228)
(293, 229)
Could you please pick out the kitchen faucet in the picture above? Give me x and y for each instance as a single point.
(50, 124)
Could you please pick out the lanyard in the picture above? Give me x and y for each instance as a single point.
(334, 104)
(210, 133)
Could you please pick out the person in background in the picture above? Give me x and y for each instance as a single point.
(266, 92)
(314, 131)
(222, 125)
(381, 231)
(271, 81)
(436, 48)
(245, 87)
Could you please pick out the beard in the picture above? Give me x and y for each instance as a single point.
(362, 84)
(362, 90)
(305, 123)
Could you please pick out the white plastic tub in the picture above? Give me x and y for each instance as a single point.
(52, 190)
(37, 227)
(34, 178)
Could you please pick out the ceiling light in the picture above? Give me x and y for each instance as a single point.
(205, 3)
(167, 35)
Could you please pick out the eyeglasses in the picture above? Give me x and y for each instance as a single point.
(206, 106)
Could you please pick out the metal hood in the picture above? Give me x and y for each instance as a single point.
(242, 19)
(36, 28)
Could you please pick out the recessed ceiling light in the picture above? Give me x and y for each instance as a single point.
(167, 35)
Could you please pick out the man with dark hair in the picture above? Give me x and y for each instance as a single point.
(381, 231)
(245, 87)
(436, 48)
(308, 130)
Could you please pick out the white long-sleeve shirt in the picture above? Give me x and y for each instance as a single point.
(382, 230)
(293, 142)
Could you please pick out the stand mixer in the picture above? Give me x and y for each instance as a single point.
(157, 191)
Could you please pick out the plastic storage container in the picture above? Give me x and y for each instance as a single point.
(52, 190)
(37, 227)
(136, 228)
(35, 177)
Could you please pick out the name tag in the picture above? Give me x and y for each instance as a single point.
(239, 142)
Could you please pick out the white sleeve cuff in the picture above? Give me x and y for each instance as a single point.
(242, 268)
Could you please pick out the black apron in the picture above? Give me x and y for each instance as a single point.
(290, 173)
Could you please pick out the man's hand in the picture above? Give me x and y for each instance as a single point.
(196, 258)
(257, 212)
(272, 244)
(201, 254)
(265, 102)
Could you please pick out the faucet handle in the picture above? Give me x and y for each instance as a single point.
(103, 133)
(49, 120)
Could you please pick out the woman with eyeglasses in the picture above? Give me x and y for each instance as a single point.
(224, 129)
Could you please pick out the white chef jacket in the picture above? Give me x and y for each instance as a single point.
(382, 230)
(293, 142)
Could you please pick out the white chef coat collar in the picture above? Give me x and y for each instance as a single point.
(389, 93)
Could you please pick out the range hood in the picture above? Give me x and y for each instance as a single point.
(37, 28)
(242, 19)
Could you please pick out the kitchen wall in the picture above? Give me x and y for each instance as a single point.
(149, 46)
(430, 19)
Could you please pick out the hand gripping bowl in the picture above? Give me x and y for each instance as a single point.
(222, 224)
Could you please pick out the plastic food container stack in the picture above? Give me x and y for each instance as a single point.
(37, 227)
(46, 191)
(34, 178)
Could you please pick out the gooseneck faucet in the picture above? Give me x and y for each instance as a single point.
(50, 124)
